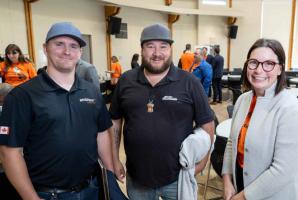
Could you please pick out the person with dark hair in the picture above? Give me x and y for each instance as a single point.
(148, 100)
(217, 66)
(134, 61)
(187, 58)
(16, 69)
(207, 56)
(260, 160)
(61, 122)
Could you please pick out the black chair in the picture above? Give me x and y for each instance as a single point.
(235, 86)
(230, 109)
(218, 154)
(236, 71)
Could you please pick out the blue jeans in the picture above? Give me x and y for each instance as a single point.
(138, 192)
(89, 193)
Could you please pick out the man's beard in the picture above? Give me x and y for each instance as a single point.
(154, 70)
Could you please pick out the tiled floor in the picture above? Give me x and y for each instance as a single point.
(214, 180)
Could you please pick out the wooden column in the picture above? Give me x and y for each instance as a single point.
(109, 11)
(172, 18)
(29, 28)
(230, 3)
(230, 21)
(291, 38)
(168, 2)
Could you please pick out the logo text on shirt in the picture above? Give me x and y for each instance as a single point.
(169, 98)
(87, 100)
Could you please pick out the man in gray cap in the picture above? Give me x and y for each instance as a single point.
(159, 103)
(60, 121)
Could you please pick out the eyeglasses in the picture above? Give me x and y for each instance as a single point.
(13, 52)
(267, 65)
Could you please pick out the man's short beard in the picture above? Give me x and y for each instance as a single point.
(154, 70)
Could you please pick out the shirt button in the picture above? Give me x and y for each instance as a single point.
(246, 150)
(245, 173)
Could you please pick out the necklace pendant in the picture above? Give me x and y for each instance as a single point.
(150, 107)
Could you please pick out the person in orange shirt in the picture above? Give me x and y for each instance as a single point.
(116, 70)
(16, 69)
(187, 58)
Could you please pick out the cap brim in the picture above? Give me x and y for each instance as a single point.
(81, 42)
(168, 41)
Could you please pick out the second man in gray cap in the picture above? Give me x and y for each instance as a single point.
(158, 103)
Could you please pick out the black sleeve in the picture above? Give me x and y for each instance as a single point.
(16, 117)
(115, 108)
(104, 119)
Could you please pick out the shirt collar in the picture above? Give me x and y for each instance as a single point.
(49, 84)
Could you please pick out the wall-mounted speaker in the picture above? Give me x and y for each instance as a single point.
(114, 25)
(233, 31)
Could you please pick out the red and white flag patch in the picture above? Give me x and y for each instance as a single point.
(4, 130)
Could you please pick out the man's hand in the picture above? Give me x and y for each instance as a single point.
(119, 171)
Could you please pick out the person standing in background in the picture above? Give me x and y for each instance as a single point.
(16, 69)
(134, 61)
(202, 70)
(116, 70)
(207, 56)
(187, 58)
(88, 72)
(218, 64)
(209, 59)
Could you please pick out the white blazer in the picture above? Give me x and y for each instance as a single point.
(271, 146)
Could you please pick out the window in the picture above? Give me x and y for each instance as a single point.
(215, 2)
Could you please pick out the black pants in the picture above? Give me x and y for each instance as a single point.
(239, 178)
(216, 85)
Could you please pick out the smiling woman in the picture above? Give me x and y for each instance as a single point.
(16, 69)
(263, 139)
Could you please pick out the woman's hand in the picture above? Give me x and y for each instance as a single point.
(229, 190)
(239, 196)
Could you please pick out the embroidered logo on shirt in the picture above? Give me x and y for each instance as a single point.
(169, 98)
(87, 100)
(4, 130)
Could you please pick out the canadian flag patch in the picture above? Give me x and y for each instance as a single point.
(4, 130)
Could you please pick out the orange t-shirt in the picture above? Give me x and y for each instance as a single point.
(186, 60)
(243, 130)
(17, 73)
(116, 67)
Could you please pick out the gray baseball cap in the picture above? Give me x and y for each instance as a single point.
(65, 29)
(156, 32)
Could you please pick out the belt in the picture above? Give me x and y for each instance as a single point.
(57, 190)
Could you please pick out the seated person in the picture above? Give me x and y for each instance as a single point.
(16, 69)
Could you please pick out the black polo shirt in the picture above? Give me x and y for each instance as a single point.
(152, 139)
(56, 127)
